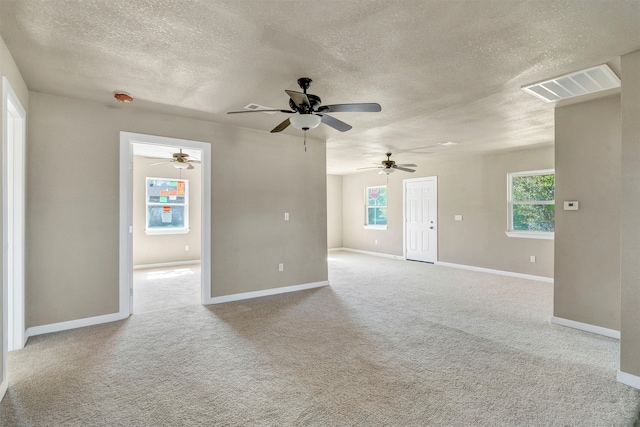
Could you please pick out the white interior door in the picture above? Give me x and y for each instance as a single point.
(421, 219)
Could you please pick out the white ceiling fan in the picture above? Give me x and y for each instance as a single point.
(389, 166)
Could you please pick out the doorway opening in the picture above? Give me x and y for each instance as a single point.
(166, 231)
(169, 263)
(13, 224)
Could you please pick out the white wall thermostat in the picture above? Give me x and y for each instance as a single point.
(571, 206)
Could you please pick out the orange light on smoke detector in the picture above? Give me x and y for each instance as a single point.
(123, 97)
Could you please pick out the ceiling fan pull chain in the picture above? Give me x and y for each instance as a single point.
(305, 141)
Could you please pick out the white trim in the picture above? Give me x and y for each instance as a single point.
(267, 292)
(127, 139)
(498, 272)
(404, 211)
(545, 235)
(628, 379)
(166, 264)
(73, 324)
(13, 175)
(370, 253)
(156, 232)
(3, 388)
(611, 333)
(374, 227)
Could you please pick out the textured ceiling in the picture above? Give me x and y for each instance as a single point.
(442, 70)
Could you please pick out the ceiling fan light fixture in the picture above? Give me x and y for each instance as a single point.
(305, 121)
(180, 165)
(385, 171)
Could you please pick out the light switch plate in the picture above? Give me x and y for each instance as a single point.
(571, 205)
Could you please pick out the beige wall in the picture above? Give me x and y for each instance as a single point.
(164, 248)
(472, 186)
(630, 229)
(73, 213)
(334, 211)
(587, 243)
(9, 70)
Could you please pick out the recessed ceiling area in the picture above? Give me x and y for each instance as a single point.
(441, 70)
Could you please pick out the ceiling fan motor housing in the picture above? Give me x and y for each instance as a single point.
(314, 103)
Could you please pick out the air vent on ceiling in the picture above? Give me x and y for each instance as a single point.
(579, 83)
(256, 107)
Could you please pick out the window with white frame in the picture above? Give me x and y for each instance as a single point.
(167, 203)
(532, 204)
(376, 207)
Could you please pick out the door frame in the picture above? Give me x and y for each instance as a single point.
(404, 211)
(13, 219)
(126, 212)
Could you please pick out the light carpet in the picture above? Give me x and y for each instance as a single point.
(162, 288)
(390, 343)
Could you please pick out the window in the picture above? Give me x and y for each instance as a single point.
(167, 206)
(532, 204)
(376, 207)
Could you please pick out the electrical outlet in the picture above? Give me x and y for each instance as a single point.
(533, 258)
(286, 216)
(280, 267)
(458, 217)
(375, 241)
(186, 248)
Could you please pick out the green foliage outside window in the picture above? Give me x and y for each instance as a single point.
(533, 205)
(376, 205)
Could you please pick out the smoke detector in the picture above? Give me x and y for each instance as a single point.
(123, 97)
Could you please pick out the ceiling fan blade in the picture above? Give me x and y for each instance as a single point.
(410, 165)
(190, 166)
(259, 111)
(370, 167)
(335, 123)
(159, 163)
(351, 108)
(403, 169)
(299, 98)
(282, 126)
(159, 158)
(194, 161)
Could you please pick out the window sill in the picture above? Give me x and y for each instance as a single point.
(156, 232)
(375, 227)
(531, 234)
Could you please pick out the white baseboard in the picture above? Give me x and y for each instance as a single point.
(166, 264)
(628, 379)
(369, 253)
(611, 333)
(461, 266)
(266, 292)
(499, 272)
(73, 324)
(3, 388)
